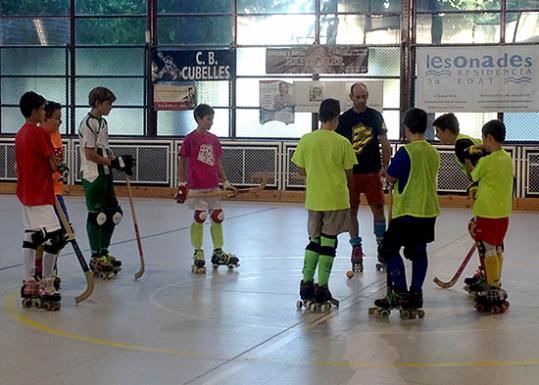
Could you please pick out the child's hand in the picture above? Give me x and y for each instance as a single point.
(181, 194)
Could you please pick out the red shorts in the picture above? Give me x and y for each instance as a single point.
(491, 230)
(368, 184)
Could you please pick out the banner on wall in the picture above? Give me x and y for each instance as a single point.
(478, 79)
(317, 59)
(174, 97)
(309, 94)
(193, 65)
(277, 101)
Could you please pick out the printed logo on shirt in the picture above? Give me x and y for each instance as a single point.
(205, 155)
(361, 136)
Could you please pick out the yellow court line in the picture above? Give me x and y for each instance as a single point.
(12, 309)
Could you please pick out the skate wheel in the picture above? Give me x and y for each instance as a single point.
(421, 313)
(215, 266)
(480, 308)
(495, 309)
(384, 313)
(325, 307)
(231, 267)
(47, 306)
(313, 307)
(26, 302)
(373, 311)
(299, 305)
(405, 314)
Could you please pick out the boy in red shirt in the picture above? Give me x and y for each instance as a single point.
(36, 162)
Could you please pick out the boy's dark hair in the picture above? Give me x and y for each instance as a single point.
(50, 107)
(203, 110)
(100, 94)
(329, 109)
(29, 102)
(447, 122)
(496, 129)
(416, 120)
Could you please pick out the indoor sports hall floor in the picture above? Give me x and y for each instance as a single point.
(172, 327)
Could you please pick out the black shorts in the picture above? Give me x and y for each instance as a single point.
(409, 230)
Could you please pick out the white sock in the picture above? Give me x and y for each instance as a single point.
(29, 262)
(49, 260)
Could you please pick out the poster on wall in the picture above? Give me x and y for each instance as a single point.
(174, 97)
(309, 94)
(193, 65)
(317, 59)
(478, 79)
(277, 101)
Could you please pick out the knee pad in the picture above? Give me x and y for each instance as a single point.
(34, 238)
(114, 216)
(414, 251)
(472, 225)
(328, 245)
(98, 218)
(314, 245)
(217, 216)
(55, 242)
(201, 216)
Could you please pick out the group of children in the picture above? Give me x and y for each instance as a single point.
(324, 157)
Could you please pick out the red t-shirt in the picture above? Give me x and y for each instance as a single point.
(33, 149)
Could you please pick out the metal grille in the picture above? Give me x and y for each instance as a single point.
(450, 178)
(7, 161)
(292, 178)
(153, 163)
(248, 164)
(532, 173)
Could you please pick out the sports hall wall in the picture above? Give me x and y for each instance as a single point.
(63, 48)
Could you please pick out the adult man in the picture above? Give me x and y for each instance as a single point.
(365, 129)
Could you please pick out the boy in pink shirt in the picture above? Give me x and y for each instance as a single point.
(201, 153)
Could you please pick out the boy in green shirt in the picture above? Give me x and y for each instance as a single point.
(492, 208)
(326, 159)
(414, 173)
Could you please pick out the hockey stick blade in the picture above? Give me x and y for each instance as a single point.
(228, 194)
(139, 273)
(89, 275)
(464, 263)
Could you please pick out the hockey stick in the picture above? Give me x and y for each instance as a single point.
(227, 194)
(448, 284)
(139, 273)
(71, 239)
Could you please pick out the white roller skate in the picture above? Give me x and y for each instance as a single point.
(219, 258)
(199, 263)
(50, 297)
(102, 267)
(306, 294)
(30, 294)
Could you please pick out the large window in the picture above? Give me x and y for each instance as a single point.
(63, 53)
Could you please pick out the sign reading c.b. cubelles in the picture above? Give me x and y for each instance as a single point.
(182, 65)
(478, 79)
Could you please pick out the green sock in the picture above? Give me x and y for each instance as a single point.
(327, 255)
(311, 259)
(216, 231)
(94, 236)
(196, 235)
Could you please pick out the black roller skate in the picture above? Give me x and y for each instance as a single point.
(323, 300)
(102, 267)
(492, 300)
(382, 306)
(50, 297)
(411, 305)
(219, 258)
(357, 258)
(30, 294)
(199, 263)
(114, 262)
(306, 294)
(476, 283)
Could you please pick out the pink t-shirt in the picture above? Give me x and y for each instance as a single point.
(203, 152)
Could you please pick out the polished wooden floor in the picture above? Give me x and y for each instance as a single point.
(172, 327)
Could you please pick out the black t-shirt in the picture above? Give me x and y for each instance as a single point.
(460, 148)
(362, 130)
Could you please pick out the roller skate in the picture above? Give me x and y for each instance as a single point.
(50, 297)
(357, 258)
(219, 257)
(475, 284)
(492, 300)
(380, 265)
(114, 262)
(411, 305)
(323, 300)
(382, 306)
(306, 294)
(30, 294)
(199, 263)
(102, 267)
